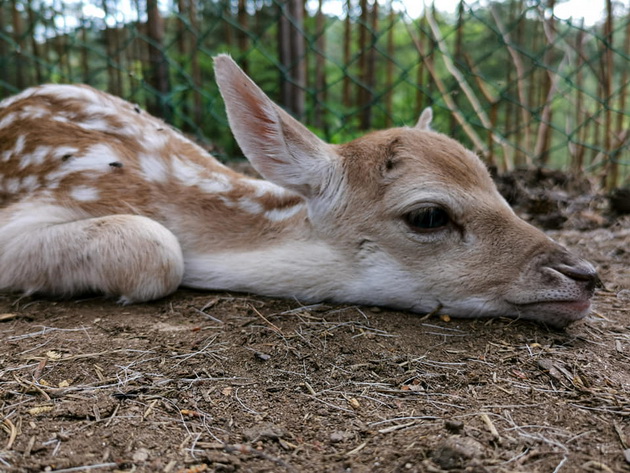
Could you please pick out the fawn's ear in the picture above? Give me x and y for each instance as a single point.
(426, 117)
(279, 147)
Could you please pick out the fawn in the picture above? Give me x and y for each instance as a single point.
(98, 196)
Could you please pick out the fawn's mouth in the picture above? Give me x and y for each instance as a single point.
(555, 313)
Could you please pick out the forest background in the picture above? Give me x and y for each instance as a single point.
(510, 79)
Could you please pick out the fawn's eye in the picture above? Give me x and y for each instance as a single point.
(427, 219)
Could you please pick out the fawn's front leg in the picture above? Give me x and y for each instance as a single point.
(51, 250)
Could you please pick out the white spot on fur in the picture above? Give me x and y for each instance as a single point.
(154, 141)
(12, 186)
(97, 123)
(72, 92)
(96, 158)
(30, 183)
(265, 187)
(33, 113)
(217, 184)
(278, 215)
(62, 151)
(250, 206)
(36, 157)
(22, 95)
(84, 193)
(8, 119)
(186, 172)
(153, 167)
(17, 150)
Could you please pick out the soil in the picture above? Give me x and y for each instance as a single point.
(227, 382)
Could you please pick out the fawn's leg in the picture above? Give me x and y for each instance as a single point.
(48, 249)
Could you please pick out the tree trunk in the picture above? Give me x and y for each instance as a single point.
(18, 37)
(389, 68)
(291, 52)
(158, 67)
(347, 43)
(241, 34)
(321, 94)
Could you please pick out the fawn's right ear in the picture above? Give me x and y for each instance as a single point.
(279, 147)
(426, 117)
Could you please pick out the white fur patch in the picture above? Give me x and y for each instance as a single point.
(29, 183)
(62, 151)
(8, 119)
(22, 95)
(217, 184)
(278, 215)
(36, 157)
(33, 113)
(154, 140)
(153, 167)
(277, 270)
(17, 150)
(265, 187)
(250, 205)
(96, 159)
(72, 92)
(97, 123)
(84, 193)
(186, 172)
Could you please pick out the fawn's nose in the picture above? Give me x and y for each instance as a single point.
(581, 272)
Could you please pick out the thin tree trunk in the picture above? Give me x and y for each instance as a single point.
(284, 53)
(612, 170)
(581, 115)
(459, 37)
(361, 97)
(421, 80)
(291, 45)
(321, 94)
(39, 77)
(542, 151)
(298, 59)
(18, 37)
(194, 63)
(158, 71)
(347, 43)
(241, 34)
(370, 71)
(389, 68)
(4, 76)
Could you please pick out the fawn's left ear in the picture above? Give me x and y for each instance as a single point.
(426, 117)
(279, 147)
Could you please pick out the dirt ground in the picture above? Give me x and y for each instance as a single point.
(226, 382)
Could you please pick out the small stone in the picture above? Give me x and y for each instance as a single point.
(455, 426)
(337, 437)
(624, 295)
(626, 455)
(457, 452)
(141, 455)
(262, 356)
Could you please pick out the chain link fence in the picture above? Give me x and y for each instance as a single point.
(510, 79)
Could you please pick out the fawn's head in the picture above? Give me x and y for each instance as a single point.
(415, 214)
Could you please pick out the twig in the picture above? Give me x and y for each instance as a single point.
(463, 84)
(450, 104)
(493, 430)
(12, 433)
(271, 324)
(85, 467)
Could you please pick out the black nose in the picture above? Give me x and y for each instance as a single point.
(584, 273)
